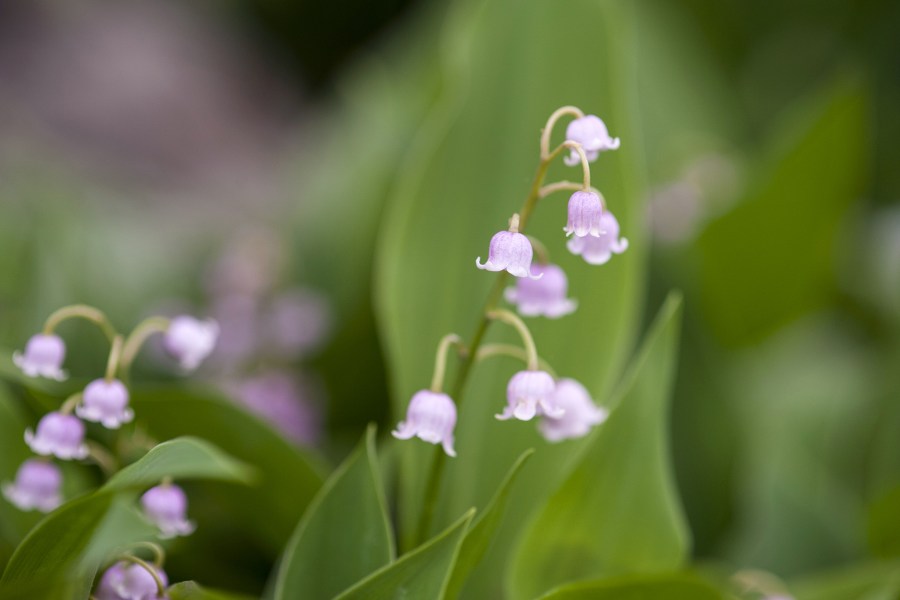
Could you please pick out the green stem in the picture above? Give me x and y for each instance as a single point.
(489, 350)
(138, 336)
(160, 587)
(80, 311)
(527, 340)
(112, 364)
(440, 361)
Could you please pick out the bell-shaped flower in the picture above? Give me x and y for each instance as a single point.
(589, 131)
(598, 250)
(105, 402)
(59, 435)
(37, 486)
(542, 297)
(511, 251)
(166, 507)
(129, 581)
(580, 413)
(43, 357)
(585, 214)
(190, 340)
(431, 417)
(530, 393)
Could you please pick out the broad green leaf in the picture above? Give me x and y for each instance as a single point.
(189, 590)
(423, 573)
(771, 259)
(873, 581)
(883, 524)
(184, 457)
(617, 511)
(14, 523)
(644, 587)
(507, 65)
(344, 535)
(287, 477)
(479, 537)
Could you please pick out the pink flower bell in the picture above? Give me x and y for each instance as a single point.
(105, 402)
(431, 417)
(43, 357)
(37, 486)
(542, 297)
(130, 581)
(598, 250)
(190, 340)
(511, 251)
(585, 213)
(589, 131)
(530, 393)
(59, 435)
(166, 507)
(580, 413)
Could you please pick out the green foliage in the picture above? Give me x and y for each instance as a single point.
(14, 523)
(883, 524)
(642, 587)
(345, 533)
(189, 590)
(617, 510)
(872, 581)
(423, 573)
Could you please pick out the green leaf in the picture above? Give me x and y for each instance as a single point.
(872, 581)
(508, 64)
(189, 590)
(14, 523)
(345, 533)
(617, 511)
(288, 477)
(181, 458)
(771, 259)
(423, 573)
(479, 537)
(883, 525)
(644, 587)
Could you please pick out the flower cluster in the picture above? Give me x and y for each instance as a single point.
(105, 400)
(564, 406)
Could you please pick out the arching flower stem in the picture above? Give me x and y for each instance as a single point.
(513, 351)
(440, 360)
(160, 586)
(138, 337)
(514, 321)
(80, 311)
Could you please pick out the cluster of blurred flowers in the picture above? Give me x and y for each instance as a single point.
(267, 333)
(564, 405)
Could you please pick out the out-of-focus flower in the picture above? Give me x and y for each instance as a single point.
(510, 251)
(37, 486)
(530, 393)
(60, 435)
(190, 340)
(542, 297)
(585, 211)
(298, 321)
(431, 417)
(43, 357)
(287, 404)
(589, 131)
(598, 250)
(675, 212)
(129, 581)
(105, 402)
(166, 507)
(580, 412)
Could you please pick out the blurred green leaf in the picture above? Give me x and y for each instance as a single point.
(507, 65)
(14, 523)
(189, 590)
(344, 534)
(873, 581)
(287, 476)
(423, 573)
(644, 587)
(883, 525)
(618, 510)
(181, 458)
(772, 258)
(479, 537)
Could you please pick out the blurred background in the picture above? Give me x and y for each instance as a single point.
(233, 159)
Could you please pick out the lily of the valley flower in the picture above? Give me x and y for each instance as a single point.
(130, 581)
(166, 507)
(510, 251)
(105, 402)
(37, 486)
(530, 393)
(589, 131)
(585, 214)
(542, 297)
(598, 250)
(43, 357)
(431, 417)
(580, 413)
(190, 340)
(60, 435)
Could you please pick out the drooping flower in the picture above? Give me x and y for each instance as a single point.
(130, 581)
(59, 435)
(166, 507)
(511, 251)
(585, 213)
(105, 402)
(431, 417)
(542, 297)
(190, 340)
(589, 131)
(598, 250)
(580, 412)
(530, 393)
(43, 357)
(37, 486)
